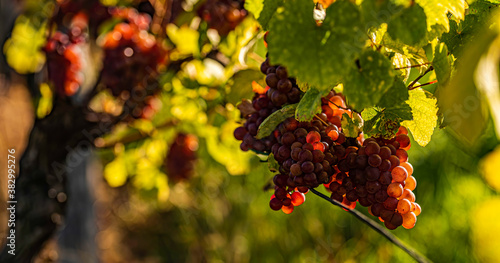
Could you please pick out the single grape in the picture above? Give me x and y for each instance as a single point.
(295, 169)
(374, 160)
(410, 183)
(272, 80)
(409, 220)
(402, 155)
(391, 203)
(287, 209)
(305, 155)
(284, 85)
(399, 174)
(313, 137)
(417, 209)
(408, 194)
(275, 204)
(298, 198)
(395, 190)
(404, 206)
(403, 140)
(372, 148)
(408, 167)
(307, 167)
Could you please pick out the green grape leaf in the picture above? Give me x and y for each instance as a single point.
(415, 54)
(263, 10)
(318, 55)
(272, 164)
(309, 105)
(377, 12)
(460, 101)
(365, 86)
(396, 95)
(402, 64)
(402, 112)
(408, 26)
(437, 11)
(460, 35)
(441, 64)
(351, 127)
(370, 117)
(425, 117)
(240, 85)
(273, 120)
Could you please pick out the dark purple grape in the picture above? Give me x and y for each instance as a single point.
(305, 155)
(281, 72)
(291, 124)
(295, 169)
(239, 133)
(284, 85)
(272, 80)
(294, 95)
(295, 154)
(287, 138)
(279, 98)
(307, 167)
(374, 160)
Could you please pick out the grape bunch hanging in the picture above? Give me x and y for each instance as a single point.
(374, 172)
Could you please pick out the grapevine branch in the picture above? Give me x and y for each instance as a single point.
(344, 108)
(414, 66)
(409, 250)
(425, 84)
(410, 87)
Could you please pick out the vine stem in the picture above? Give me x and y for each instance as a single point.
(425, 84)
(396, 241)
(414, 66)
(410, 87)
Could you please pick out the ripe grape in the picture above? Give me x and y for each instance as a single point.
(404, 206)
(409, 220)
(395, 190)
(399, 174)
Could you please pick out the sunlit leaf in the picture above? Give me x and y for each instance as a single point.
(437, 11)
(23, 50)
(115, 172)
(318, 55)
(424, 112)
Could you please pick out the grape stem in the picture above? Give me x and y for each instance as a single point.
(425, 84)
(410, 87)
(340, 107)
(377, 227)
(414, 66)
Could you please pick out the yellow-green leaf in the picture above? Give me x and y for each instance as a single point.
(424, 112)
(115, 172)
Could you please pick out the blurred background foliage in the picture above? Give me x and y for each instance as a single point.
(218, 210)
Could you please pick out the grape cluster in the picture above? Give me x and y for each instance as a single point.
(280, 90)
(377, 175)
(223, 15)
(65, 59)
(181, 157)
(131, 54)
(374, 172)
(307, 153)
